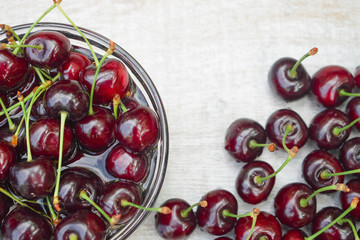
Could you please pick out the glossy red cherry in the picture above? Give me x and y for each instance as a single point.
(138, 129)
(349, 155)
(212, 218)
(175, 225)
(294, 234)
(239, 137)
(112, 79)
(357, 76)
(122, 164)
(247, 187)
(276, 127)
(267, 226)
(7, 159)
(328, 82)
(38, 110)
(353, 110)
(73, 65)
(5, 204)
(55, 48)
(347, 197)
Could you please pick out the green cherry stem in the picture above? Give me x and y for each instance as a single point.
(352, 206)
(326, 175)
(338, 187)
(7, 28)
(289, 128)
(10, 122)
(345, 220)
(342, 92)
(185, 212)
(7, 46)
(15, 137)
(254, 144)
(73, 236)
(63, 116)
(39, 73)
(54, 217)
(337, 130)
(163, 210)
(292, 72)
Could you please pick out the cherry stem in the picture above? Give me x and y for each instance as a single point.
(4, 45)
(80, 32)
(185, 213)
(289, 128)
(292, 154)
(342, 92)
(254, 215)
(32, 27)
(11, 124)
(38, 72)
(63, 116)
(293, 73)
(345, 220)
(337, 130)
(163, 210)
(116, 102)
(339, 187)
(227, 213)
(73, 236)
(15, 138)
(7, 28)
(255, 144)
(352, 206)
(326, 175)
(54, 216)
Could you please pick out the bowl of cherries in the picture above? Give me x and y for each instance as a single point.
(83, 135)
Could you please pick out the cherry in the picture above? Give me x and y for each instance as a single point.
(329, 129)
(138, 129)
(349, 155)
(95, 132)
(73, 65)
(54, 49)
(330, 85)
(315, 166)
(266, 227)
(278, 125)
(7, 159)
(353, 110)
(294, 234)
(38, 110)
(19, 141)
(289, 79)
(213, 218)
(112, 79)
(347, 197)
(244, 139)
(82, 224)
(22, 223)
(5, 205)
(31, 81)
(120, 163)
(357, 76)
(222, 238)
(13, 70)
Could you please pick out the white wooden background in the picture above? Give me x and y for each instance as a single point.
(209, 60)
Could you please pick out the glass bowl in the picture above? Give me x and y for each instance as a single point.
(145, 92)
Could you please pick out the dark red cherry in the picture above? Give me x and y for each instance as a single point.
(287, 205)
(138, 129)
(267, 226)
(211, 218)
(317, 162)
(13, 70)
(7, 136)
(45, 137)
(7, 159)
(95, 132)
(287, 87)
(349, 155)
(223, 238)
(347, 197)
(114, 193)
(174, 225)
(328, 82)
(322, 127)
(5, 204)
(32, 180)
(112, 79)
(38, 110)
(247, 187)
(337, 231)
(120, 163)
(357, 76)
(239, 136)
(276, 128)
(83, 224)
(73, 65)
(32, 80)
(69, 96)
(294, 234)
(73, 181)
(22, 223)
(353, 110)
(55, 48)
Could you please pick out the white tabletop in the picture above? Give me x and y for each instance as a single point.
(209, 60)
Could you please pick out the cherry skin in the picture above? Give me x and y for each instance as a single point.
(114, 193)
(120, 163)
(276, 128)
(238, 137)
(353, 111)
(174, 225)
(5, 205)
(327, 83)
(211, 218)
(322, 127)
(7, 136)
(13, 70)
(266, 226)
(294, 234)
(95, 132)
(285, 86)
(7, 159)
(287, 205)
(112, 79)
(84, 224)
(38, 110)
(319, 161)
(73, 65)
(138, 129)
(337, 231)
(73, 181)
(22, 223)
(357, 76)
(32, 180)
(349, 155)
(247, 187)
(55, 48)
(354, 185)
